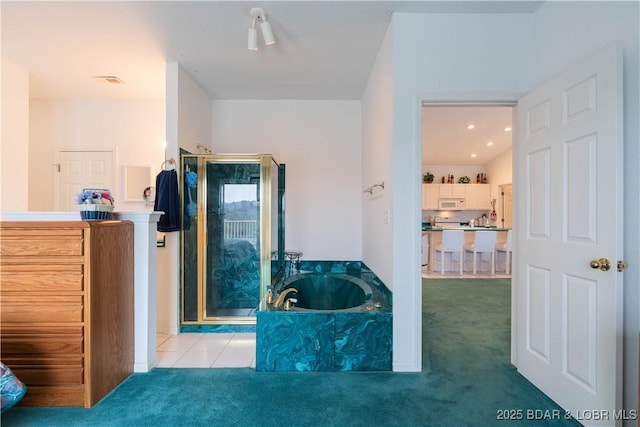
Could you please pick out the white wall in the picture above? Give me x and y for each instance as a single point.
(133, 128)
(320, 144)
(566, 32)
(14, 147)
(193, 112)
(188, 123)
(377, 146)
(440, 58)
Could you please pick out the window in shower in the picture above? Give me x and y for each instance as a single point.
(241, 216)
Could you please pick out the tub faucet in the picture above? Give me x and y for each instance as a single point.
(283, 296)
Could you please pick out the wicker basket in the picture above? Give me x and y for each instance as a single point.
(95, 212)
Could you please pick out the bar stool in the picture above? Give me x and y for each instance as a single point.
(506, 248)
(452, 241)
(483, 242)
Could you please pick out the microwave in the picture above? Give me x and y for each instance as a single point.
(451, 204)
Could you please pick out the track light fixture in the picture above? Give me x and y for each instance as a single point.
(259, 15)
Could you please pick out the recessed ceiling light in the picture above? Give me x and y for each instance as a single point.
(474, 155)
(471, 126)
(489, 143)
(507, 129)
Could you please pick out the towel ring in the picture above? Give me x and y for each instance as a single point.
(170, 161)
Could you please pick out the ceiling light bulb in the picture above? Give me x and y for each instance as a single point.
(474, 155)
(267, 33)
(507, 129)
(252, 43)
(471, 126)
(489, 144)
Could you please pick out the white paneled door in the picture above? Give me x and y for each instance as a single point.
(568, 202)
(82, 169)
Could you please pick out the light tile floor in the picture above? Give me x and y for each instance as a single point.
(206, 350)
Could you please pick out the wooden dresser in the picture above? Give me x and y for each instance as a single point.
(66, 301)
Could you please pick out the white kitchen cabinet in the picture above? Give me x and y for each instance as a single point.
(453, 190)
(478, 196)
(430, 195)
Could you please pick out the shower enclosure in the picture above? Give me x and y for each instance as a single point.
(233, 235)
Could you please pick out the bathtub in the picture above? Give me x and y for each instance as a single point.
(329, 291)
(341, 322)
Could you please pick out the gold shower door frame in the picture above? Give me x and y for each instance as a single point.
(266, 162)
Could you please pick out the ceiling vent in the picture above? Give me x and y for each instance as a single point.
(109, 79)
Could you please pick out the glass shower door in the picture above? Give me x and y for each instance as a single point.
(232, 267)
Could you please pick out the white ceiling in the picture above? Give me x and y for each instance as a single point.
(324, 49)
(446, 140)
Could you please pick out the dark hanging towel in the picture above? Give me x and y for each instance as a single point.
(167, 200)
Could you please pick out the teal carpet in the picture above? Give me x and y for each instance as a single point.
(466, 381)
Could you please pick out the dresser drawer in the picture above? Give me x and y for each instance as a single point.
(53, 278)
(41, 341)
(48, 375)
(20, 308)
(40, 231)
(13, 246)
(63, 395)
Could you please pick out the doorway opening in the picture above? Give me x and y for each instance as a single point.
(466, 162)
(466, 146)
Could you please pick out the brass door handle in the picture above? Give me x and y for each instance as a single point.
(602, 264)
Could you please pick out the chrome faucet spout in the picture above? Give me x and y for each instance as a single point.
(283, 296)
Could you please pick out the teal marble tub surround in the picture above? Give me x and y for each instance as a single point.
(353, 333)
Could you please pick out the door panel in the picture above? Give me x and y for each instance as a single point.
(580, 177)
(569, 205)
(580, 351)
(538, 311)
(82, 169)
(538, 190)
